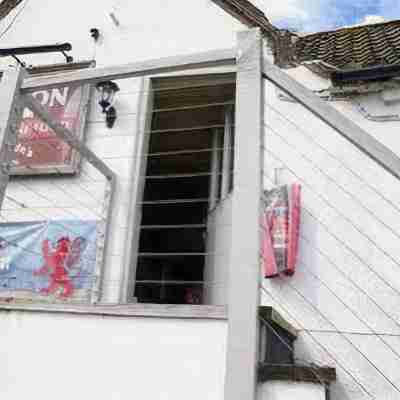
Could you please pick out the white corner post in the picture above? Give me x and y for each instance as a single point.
(244, 273)
(10, 109)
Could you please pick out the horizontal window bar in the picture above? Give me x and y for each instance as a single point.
(174, 254)
(175, 201)
(177, 176)
(159, 282)
(198, 85)
(190, 151)
(194, 107)
(189, 129)
(187, 226)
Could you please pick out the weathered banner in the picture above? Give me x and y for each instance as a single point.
(47, 260)
(38, 149)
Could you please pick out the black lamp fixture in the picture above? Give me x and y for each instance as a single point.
(107, 90)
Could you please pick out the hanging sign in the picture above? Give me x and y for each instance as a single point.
(280, 230)
(48, 261)
(38, 149)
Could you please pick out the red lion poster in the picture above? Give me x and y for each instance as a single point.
(48, 260)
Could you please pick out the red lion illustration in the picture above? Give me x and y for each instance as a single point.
(56, 266)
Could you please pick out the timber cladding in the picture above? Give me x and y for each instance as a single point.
(6, 6)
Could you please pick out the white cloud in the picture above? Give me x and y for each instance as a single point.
(283, 9)
(372, 19)
(318, 15)
(301, 15)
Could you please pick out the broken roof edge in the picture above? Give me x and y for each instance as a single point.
(247, 13)
(6, 6)
(284, 43)
(280, 40)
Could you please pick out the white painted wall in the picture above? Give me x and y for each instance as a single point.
(153, 29)
(280, 390)
(51, 356)
(345, 295)
(216, 271)
(69, 356)
(348, 278)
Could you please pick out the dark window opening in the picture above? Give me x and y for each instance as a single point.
(188, 167)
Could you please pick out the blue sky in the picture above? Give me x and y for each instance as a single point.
(319, 15)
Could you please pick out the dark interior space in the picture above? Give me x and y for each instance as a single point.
(187, 113)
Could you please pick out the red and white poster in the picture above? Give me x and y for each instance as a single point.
(280, 230)
(38, 149)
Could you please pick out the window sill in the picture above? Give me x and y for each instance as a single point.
(126, 310)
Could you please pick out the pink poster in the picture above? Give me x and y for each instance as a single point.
(38, 149)
(280, 230)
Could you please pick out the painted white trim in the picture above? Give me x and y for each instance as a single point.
(145, 106)
(214, 179)
(127, 310)
(244, 274)
(227, 153)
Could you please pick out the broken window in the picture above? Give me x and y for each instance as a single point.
(189, 172)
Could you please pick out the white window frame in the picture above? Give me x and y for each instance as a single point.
(145, 108)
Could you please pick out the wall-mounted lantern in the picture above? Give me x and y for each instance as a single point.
(107, 90)
(95, 34)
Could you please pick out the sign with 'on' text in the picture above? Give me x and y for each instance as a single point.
(38, 149)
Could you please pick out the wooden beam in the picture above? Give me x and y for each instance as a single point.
(248, 14)
(207, 59)
(244, 271)
(344, 126)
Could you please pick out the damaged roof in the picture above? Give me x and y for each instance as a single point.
(356, 47)
(248, 14)
(352, 48)
(6, 6)
(253, 17)
(346, 48)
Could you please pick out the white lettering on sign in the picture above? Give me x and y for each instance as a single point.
(24, 150)
(56, 96)
(61, 98)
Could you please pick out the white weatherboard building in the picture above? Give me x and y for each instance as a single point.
(169, 300)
